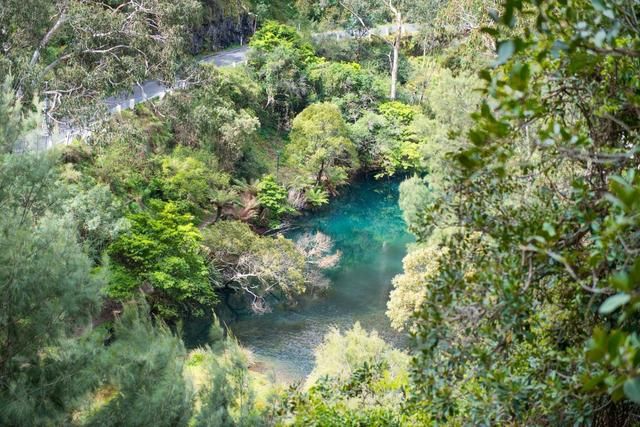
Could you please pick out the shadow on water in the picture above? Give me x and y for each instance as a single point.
(366, 224)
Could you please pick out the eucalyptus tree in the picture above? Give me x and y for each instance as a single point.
(259, 268)
(74, 52)
(368, 14)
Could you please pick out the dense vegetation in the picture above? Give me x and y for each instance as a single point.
(515, 125)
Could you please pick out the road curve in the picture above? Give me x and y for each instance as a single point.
(155, 89)
(63, 133)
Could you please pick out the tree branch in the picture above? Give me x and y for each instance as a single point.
(62, 17)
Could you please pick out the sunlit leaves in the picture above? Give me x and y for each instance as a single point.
(320, 146)
(161, 256)
(273, 196)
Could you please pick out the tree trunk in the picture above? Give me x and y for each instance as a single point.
(47, 38)
(395, 46)
(394, 71)
(320, 173)
(396, 57)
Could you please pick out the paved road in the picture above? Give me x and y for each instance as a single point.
(155, 89)
(228, 57)
(63, 133)
(43, 139)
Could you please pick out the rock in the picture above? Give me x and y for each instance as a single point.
(221, 33)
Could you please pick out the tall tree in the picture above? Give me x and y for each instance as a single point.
(368, 14)
(47, 291)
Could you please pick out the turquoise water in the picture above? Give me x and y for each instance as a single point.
(366, 224)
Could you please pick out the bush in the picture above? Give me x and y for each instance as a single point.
(161, 257)
(273, 196)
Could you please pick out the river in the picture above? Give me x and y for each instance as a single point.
(366, 224)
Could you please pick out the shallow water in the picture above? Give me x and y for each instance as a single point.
(366, 225)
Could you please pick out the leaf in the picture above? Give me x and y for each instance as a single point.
(632, 389)
(506, 50)
(613, 302)
(621, 281)
(599, 38)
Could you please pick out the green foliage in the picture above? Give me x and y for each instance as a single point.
(273, 196)
(313, 408)
(397, 112)
(123, 155)
(316, 196)
(48, 295)
(194, 179)
(388, 141)
(414, 201)
(420, 266)
(218, 115)
(228, 240)
(161, 257)
(339, 356)
(347, 85)
(279, 58)
(142, 376)
(283, 77)
(372, 55)
(320, 146)
(228, 396)
(98, 215)
(357, 380)
(272, 35)
(278, 10)
(538, 213)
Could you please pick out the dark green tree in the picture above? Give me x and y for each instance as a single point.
(142, 380)
(47, 291)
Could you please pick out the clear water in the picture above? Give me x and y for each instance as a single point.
(366, 225)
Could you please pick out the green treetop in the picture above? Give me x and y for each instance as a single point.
(320, 145)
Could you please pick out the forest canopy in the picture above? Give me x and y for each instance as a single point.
(513, 127)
